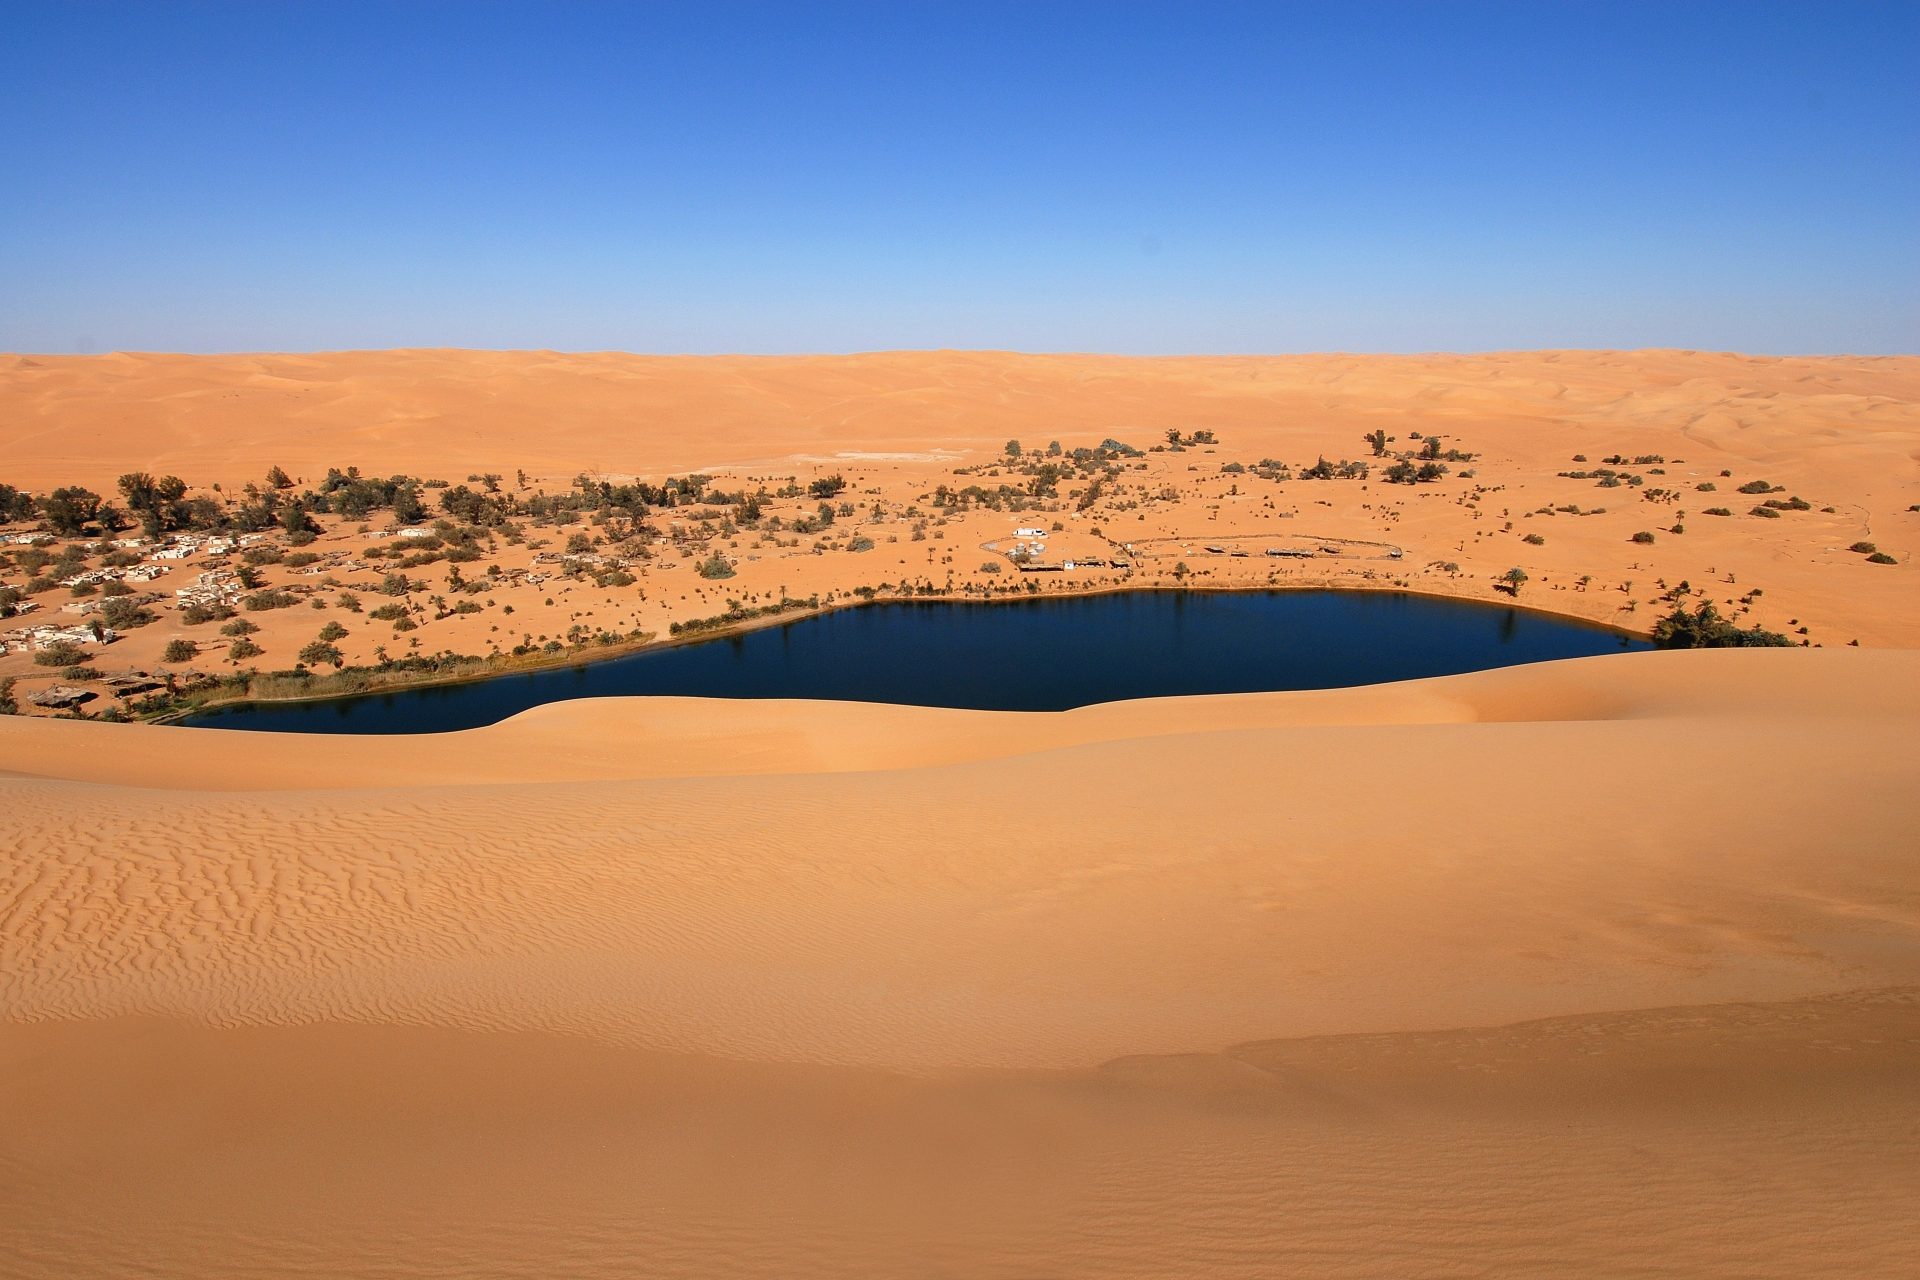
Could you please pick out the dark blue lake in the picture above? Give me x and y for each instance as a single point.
(1029, 655)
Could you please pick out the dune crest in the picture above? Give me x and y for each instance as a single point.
(1069, 992)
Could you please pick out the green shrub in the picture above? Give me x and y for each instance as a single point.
(320, 651)
(1706, 629)
(195, 615)
(1881, 557)
(61, 653)
(123, 614)
(180, 651)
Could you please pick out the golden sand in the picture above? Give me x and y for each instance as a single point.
(1603, 967)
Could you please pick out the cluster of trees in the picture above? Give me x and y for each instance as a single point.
(1429, 451)
(1177, 441)
(15, 504)
(162, 506)
(1605, 477)
(1001, 497)
(1341, 470)
(352, 496)
(1406, 472)
(1704, 628)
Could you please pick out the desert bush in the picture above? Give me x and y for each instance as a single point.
(61, 653)
(243, 648)
(180, 651)
(320, 651)
(1881, 557)
(122, 614)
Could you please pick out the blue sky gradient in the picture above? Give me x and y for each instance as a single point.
(1127, 178)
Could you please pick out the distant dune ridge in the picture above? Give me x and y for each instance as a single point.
(85, 418)
(1607, 966)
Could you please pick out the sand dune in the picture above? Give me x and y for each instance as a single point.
(1604, 966)
(86, 418)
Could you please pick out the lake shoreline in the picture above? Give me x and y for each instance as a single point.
(596, 655)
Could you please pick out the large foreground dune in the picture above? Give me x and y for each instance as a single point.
(1602, 967)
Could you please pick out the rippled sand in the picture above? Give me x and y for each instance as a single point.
(1608, 967)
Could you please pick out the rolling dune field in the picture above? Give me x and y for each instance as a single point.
(1609, 966)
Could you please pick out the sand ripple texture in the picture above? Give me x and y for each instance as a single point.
(1603, 967)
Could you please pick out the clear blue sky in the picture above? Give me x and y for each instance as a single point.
(1172, 178)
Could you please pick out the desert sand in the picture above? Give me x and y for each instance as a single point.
(1598, 967)
(1601, 966)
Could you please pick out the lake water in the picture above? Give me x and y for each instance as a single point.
(1029, 655)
